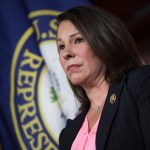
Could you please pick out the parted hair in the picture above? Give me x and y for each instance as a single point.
(108, 38)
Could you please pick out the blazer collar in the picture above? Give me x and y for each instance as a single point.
(108, 113)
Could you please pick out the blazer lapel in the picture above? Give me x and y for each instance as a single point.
(108, 113)
(73, 128)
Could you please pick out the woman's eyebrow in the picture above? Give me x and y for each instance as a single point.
(70, 36)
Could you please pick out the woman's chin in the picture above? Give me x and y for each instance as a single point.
(76, 81)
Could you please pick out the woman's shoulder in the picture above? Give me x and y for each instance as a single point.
(138, 81)
(140, 72)
(139, 75)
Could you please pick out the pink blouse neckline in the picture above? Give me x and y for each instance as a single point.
(85, 140)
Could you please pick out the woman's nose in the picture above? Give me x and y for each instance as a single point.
(68, 53)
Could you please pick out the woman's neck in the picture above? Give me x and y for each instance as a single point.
(97, 93)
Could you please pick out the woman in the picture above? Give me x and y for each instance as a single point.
(100, 60)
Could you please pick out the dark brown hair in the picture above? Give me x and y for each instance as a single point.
(110, 41)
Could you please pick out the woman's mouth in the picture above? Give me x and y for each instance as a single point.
(73, 67)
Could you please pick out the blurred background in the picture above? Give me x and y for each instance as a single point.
(136, 16)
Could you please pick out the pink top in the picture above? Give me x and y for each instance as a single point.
(85, 140)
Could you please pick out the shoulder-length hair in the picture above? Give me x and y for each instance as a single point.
(108, 38)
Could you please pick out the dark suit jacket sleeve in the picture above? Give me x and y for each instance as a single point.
(141, 95)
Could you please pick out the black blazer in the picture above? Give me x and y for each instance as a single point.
(125, 119)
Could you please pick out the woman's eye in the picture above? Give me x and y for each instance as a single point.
(61, 47)
(79, 40)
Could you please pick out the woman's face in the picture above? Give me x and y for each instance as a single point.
(76, 57)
